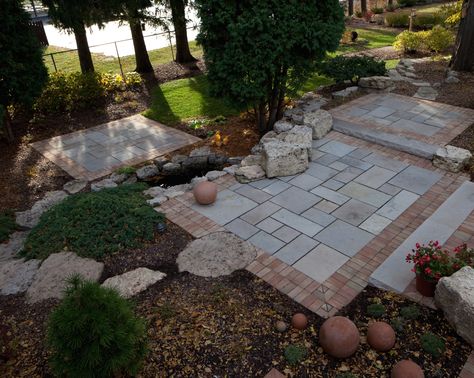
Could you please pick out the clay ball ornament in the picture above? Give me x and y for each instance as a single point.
(205, 193)
(381, 336)
(339, 337)
(407, 369)
(299, 321)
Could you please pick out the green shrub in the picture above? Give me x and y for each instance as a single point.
(94, 333)
(433, 344)
(398, 324)
(439, 39)
(397, 20)
(294, 354)
(406, 3)
(94, 224)
(7, 225)
(75, 91)
(358, 14)
(451, 13)
(411, 312)
(427, 20)
(377, 10)
(390, 7)
(375, 310)
(408, 41)
(352, 68)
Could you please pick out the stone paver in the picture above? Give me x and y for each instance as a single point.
(415, 179)
(98, 151)
(295, 199)
(365, 194)
(354, 212)
(296, 249)
(266, 242)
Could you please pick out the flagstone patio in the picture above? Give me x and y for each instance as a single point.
(98, 151)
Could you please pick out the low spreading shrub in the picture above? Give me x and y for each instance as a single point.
(7, 225)
(376, 310)
(377, 10)
(352, 68)
(408, 41)
(421, 21)
(94, 224)
(294, 354)
(437, 39)
(94, 333)
(411, 312)
(433, 344)
(68, 92)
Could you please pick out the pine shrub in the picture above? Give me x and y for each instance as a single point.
(352, 68)
(94, 333)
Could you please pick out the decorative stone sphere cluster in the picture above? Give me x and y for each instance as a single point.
(340, 338)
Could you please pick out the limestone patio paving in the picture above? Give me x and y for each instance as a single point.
(95, 152)
(406, 123)
(323, 233)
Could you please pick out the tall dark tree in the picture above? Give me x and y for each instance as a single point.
(22, 71)
(74, 16)
(257, 51)
(363, 6)
(350, 7)
(178, 13)
(463, 57)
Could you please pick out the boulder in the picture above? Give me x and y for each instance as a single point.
(133, 282)
(452, 80)
(171, 168)
(235, 160)
(298, 135)
(216, 254)
(154, 191)
(249, 173)
(450, 158)
(197, 180)
(30, 218)
(217, 160)
(376, 82)
(284, 159)
(201, 151)
(14, 245)
(282, 126)
(118, 178)
(257, 149)
(160, 162)
(319, 121)
(147, 172)
(195, 163)
(131, 180)
(231, 170)
(251, 160)
(177, 190)
(157, 201)
(103, 184)
(178, 159)
(214, 175)
(74, 186)
(51, 278)
(295, 115)
(345, 92)
(16, 275)
(455, 296)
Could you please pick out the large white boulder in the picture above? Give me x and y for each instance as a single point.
(455, 296)
(30, 218)
(298, 135)
(16, 275)
(249, 173)
(450, 158)
(319, 121)
(376, 82)
(284, 159)
(134, 282)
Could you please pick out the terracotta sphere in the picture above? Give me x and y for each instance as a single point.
(205, 193)
(339, 337)
(299, 321)
(407, 369)
(381, 336)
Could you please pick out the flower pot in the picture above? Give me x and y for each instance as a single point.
(424, 286)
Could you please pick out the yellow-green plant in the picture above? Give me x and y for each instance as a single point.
(439, 39)
(408, 41)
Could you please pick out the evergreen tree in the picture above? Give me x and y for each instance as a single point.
(463, 57)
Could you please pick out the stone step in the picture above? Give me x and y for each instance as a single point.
(394, 273)
(398, 142)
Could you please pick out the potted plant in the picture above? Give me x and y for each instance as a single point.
(431, 263)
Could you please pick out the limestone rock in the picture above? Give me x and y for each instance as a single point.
(455, 296)
(172, 168)
(154, 191)
(426, 93)
(147, 172)
(16, 276)
(235, 160)
(282, 126)
(302, 136)
(178, 159)
(201, 151)
(284, 159)
(345, 92)
(376, 82)
(14, 245)
(257, 149)
(134, 282)
(251, 160)
(452, 80)
(157, 201)
(320, 122)
(450, 158)
(214, 175)
(217, 160)
(74, 186)
(30, 218)
(216, 254)
(131, 180)
(249, 173)
(197, 180)
(103, 184)
(177, 190)
(296, 115)
(51, 278)
(195, 163)
(118, 178)
(231, 170)
(160, 162)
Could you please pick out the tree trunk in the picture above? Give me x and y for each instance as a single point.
(363, 6)
(7, 124)
(390, 2)
(350, 7)
(85, 58)
(141, 54)
(463, 57)
(183, 54)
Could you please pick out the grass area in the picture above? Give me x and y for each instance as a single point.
(7, 225)
(428, 8)
(94, 224)
(391, 63)
(69, 61)
(368, 39)
(184, 99)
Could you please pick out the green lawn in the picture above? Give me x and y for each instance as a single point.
(69, 61)
(183, 99)
(428, 8)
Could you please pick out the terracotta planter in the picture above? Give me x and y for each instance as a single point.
(425, 287)
(205, 193)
